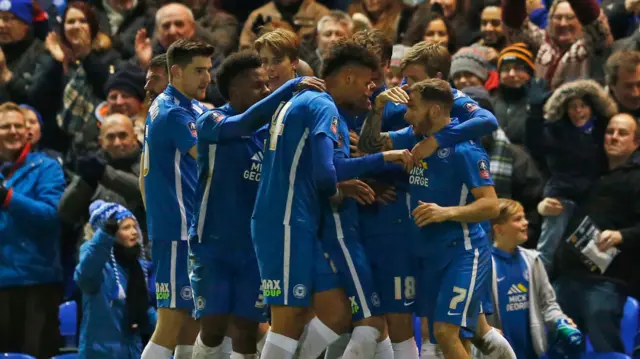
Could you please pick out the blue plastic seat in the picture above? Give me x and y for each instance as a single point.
(15, 356)
(68, 315)
(605, 356)
(629, 326)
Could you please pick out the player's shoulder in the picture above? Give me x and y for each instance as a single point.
(314, 99)
(467, 148)
(216, 114)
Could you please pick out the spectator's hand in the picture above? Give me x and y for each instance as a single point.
(91, 167)
(609, 239)
(311, 83)
(5, 73)
(53, 46)
(353, 145)
(571, 323)
(533, 5)
(427, 213)
(632, 6)
(143, 49)
(550, 207)
(424, 149)
(538, 92)
(357, 190)
(395, 94)
(259, 23)
(110, 226)
(401, 157)
(85, 43)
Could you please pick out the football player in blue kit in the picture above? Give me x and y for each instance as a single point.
(451, 191)
(396, 282)
(225, 276)
(297, 174)
(169, 181)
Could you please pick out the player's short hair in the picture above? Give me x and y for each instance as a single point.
(433, 56)
(159, 61)
(347, 52)
(281, 42)
(626, 60)
(508, 208)
(377, 42)
(10, 107)
(183, 51)
(233, 66)
(337, 16)
(435, 90)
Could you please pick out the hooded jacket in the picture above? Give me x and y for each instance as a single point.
(574, 158)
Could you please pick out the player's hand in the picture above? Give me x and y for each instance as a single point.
(395, 94)
(401, 157)
(424, 149)
(550, 207)
(427, 213)
(353, 145)
(311, 83)
(609, 239)
(357, 190)
(385, 193)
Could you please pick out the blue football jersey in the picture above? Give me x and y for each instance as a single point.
(378, 219)
(228, 177)
(169, 170)
(342, 220)
(287, 193)
(446, 179)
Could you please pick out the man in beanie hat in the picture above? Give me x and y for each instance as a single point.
(19, 48)
(125, 95)
(516, 68)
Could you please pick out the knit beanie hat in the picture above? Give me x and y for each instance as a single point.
(100, 211)
(22, 9)
(129, 78)
(471, 59)
(519, 53)
(398, 53)
(32, 109)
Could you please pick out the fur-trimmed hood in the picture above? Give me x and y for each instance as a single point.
(602, 105)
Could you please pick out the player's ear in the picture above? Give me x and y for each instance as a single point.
(175, 71)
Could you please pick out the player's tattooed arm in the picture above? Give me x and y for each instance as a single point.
(371, 140)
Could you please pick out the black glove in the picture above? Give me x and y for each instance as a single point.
(259, 23)
(91, 167)
(538, 92)
(111, 225)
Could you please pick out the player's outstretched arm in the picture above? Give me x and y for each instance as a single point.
(214, 126)
(371, 140)
(475, 122)
(484, 208)
(349, 168)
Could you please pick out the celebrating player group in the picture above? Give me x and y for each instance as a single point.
(316, 216)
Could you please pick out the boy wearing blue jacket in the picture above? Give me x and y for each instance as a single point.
(522, 292)
(114, 282)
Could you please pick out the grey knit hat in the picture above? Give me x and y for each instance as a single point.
(471, 59)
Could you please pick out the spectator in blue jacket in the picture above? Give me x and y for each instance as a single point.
(113, 278)
(31, 185)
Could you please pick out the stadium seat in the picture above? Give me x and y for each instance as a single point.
(605, 356)
(15, 356)
(66, 356)
(628, 327)
(69, 322)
